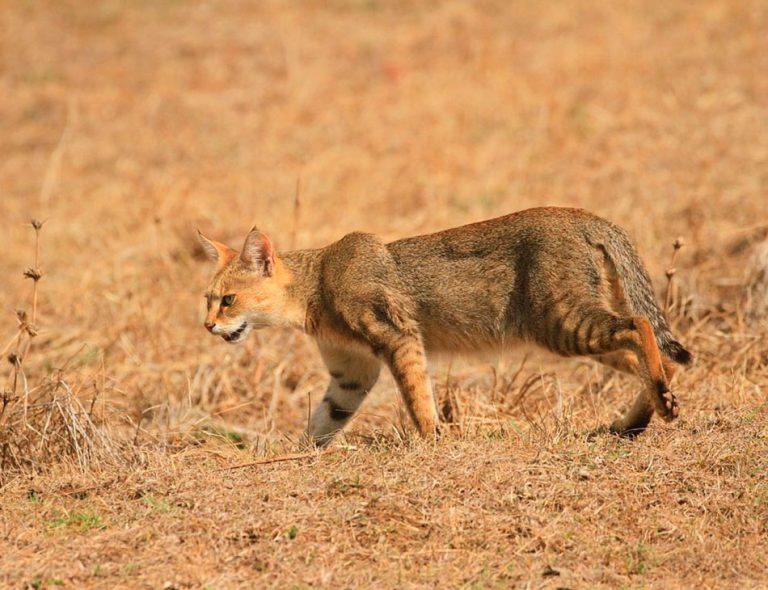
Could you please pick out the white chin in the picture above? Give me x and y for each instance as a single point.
(238, 335)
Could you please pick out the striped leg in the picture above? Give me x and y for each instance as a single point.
(629, 344)
(404, 354)
(638, 416)
(643, 341)
(635, 420)
(602, 333)
(353, 375)
(571, 329)
(408, 364)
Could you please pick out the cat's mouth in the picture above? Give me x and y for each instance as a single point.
(235, 336)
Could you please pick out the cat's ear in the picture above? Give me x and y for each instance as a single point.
(220, 253)
(258, 253)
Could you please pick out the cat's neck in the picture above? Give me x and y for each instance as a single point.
(302, 268)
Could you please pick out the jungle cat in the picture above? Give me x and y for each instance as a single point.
(563, 279)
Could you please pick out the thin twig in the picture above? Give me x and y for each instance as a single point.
(36, 225)
(53, 171)
(296, 211)
(671, 270)
(86, 489)
(290, 457)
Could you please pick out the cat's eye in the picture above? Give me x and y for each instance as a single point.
(227, 300)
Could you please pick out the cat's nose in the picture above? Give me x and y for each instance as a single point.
(210, 326)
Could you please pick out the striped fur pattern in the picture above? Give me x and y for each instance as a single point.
(563, 279)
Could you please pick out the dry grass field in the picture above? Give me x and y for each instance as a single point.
(126, 125)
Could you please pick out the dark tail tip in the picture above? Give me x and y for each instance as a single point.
(679, 354)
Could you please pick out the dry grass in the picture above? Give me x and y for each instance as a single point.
(128, 124)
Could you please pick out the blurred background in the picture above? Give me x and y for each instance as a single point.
(126, 125)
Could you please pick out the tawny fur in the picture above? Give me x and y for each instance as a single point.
(563, 279)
